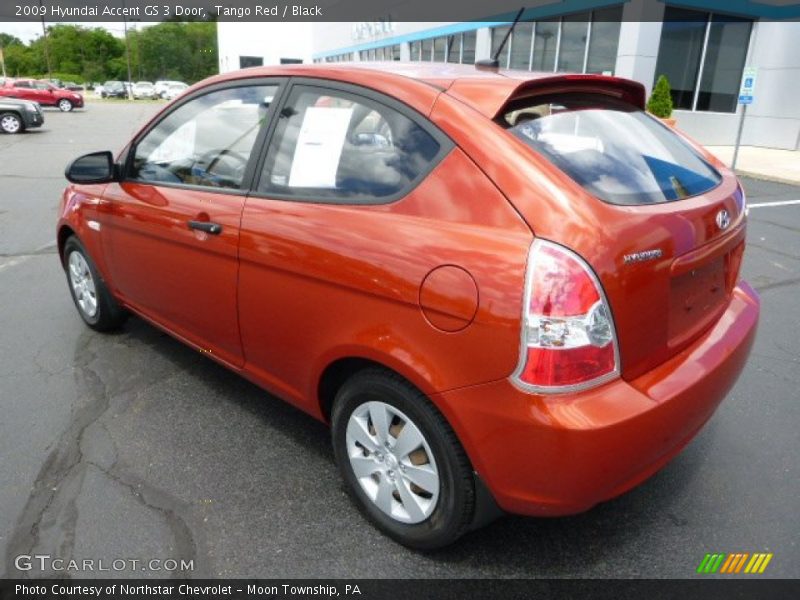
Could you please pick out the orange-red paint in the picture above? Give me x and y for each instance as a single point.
(431, 286)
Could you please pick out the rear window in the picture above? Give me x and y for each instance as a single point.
(615, 151)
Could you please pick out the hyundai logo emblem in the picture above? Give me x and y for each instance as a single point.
(723, 219)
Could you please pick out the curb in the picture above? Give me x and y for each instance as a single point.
(766, 177)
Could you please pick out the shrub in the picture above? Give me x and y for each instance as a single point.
(660, 102)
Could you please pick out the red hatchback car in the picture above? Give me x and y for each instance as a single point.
(43, 92)
(501, 289)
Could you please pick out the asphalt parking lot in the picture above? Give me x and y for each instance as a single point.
(133, 446)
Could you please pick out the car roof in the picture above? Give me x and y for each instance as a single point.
(486, 90)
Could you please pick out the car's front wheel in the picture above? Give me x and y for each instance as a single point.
(64, 105)
(11, 123)
(95, 304)
(401, 461)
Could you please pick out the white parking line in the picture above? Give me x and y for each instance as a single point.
(781, 203)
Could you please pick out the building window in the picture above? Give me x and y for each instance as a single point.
(702, 55)
(581, 43)
(414, 48)
(339, 58)
(545, 44)
(454, 48)
(498, 35)
(459, 48)
(572, 44)
(427, 49)
(245, 62)
(439, 45)
(603, 40)
(468, 47)
(521, 46)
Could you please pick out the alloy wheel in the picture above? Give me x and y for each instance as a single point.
(10, 124)
(392, 461)
(83, 286)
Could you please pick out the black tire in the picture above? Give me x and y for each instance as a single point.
(64, 105)
(11, 123)
(109, 314)
(452, 513)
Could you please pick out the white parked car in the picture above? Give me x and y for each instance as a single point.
(175, 90)
(144, 89)
(163, 86)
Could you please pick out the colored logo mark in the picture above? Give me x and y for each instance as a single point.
(741, 562)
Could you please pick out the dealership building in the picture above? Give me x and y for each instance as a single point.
(703, 53)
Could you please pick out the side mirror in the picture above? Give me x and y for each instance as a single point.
(97, 167)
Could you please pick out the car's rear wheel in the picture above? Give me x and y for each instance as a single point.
(11, 123)
(95, 304)
(401, 461)
(64, 105)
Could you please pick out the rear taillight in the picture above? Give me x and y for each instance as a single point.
(568, 337)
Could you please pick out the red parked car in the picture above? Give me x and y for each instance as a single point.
(501, 289)
(43, 92)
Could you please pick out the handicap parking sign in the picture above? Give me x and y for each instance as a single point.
(747, 90)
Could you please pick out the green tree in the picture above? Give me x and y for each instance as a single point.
(178, 50)
(660, 102)
(77, 49)
(6, 40)
(169, 50)
(21, 61)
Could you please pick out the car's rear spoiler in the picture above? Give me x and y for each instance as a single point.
(492, 96)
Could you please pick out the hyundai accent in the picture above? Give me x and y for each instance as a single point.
(504, 291)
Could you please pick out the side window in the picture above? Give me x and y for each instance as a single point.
(206, 141)
(41, 85)
(345, 147)
(22, 84)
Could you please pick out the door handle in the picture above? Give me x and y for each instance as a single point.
(207, 226)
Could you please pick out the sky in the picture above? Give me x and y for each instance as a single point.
(27, 31)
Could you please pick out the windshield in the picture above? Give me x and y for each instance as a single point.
(615, 151)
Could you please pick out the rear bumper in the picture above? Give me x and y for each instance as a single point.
(556, 455)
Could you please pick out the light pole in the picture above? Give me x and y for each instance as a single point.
(138, 50)
(127, 50)
(46, 49)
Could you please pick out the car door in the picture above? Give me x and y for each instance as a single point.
(23, 89)
(321, 257)
(172, 224)
(43, 93)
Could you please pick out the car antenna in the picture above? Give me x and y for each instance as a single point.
(492, 64)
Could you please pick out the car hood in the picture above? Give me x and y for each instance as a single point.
(17, 102)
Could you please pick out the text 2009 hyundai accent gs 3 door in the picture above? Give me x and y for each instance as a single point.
(501, 289)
